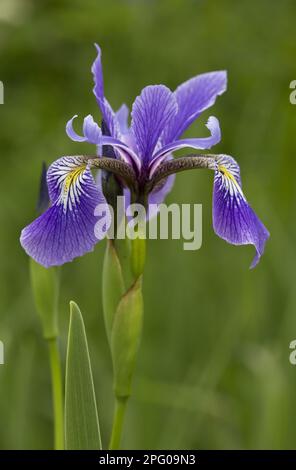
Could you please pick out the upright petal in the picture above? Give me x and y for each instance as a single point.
(151, 112)
(193, 97)
(66, 229)
(200, 143)
(122, 118)
(106, 109)
(233, 219)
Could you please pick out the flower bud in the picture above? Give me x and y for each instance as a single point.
(113, 285)
(125, 338)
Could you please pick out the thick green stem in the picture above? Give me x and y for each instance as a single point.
(57, 392)
(118, 418)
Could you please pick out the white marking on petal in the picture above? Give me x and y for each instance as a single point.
(67, 177)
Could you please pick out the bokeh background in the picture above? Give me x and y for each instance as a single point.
(213, 369)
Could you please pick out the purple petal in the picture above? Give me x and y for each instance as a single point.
(106, 109)
(199, 143)
(193, 97)
(91, 131)
(97, 71)
(66, 229)
(151, 112)
(73, 134)
(159, 194)
(233, 219)
(122, 118)
(93, 135)
(124, 150)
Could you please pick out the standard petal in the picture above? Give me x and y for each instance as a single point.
(201, 143)
(106, 109)
(66, 229)
(91, 130)
(193, 97)
(122, 118)
(151, 112)
(233, 219)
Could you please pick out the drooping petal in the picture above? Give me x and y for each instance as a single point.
(193, 97)
(106, 109)
(122, 118)
(91, 131)
(151, 112)
(66, 229)
(201, 143)
(233, 219)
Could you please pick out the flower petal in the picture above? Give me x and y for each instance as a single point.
(93, 135)
(201, 143)
(151, 112)
(66, 229)
(73, 134)
(158, 195)
(233, 219)
(91, 131)
(106, 109)
(193, 97)
(122, 118)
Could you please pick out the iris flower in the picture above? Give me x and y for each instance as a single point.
(141, 159)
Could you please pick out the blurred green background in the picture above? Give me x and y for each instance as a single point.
(213, 369)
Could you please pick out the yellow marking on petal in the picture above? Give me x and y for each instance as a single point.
(72, 177)
(228, 175)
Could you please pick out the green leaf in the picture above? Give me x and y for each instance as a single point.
(82, 430)
(125, 338)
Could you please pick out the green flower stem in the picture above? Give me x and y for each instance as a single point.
(119, 413)
(57, 392)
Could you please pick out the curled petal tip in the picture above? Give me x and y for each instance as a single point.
(214, 127)
(98, 48)
(91, 131)
(71, 133)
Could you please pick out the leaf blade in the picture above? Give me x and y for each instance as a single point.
(82, 430)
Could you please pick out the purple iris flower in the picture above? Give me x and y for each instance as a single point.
(141, 160)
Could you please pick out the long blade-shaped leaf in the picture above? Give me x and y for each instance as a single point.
(82, 431)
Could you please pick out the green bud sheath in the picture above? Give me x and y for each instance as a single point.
(125, 338)
(45, 287)
(113, 285)
(138, 256)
